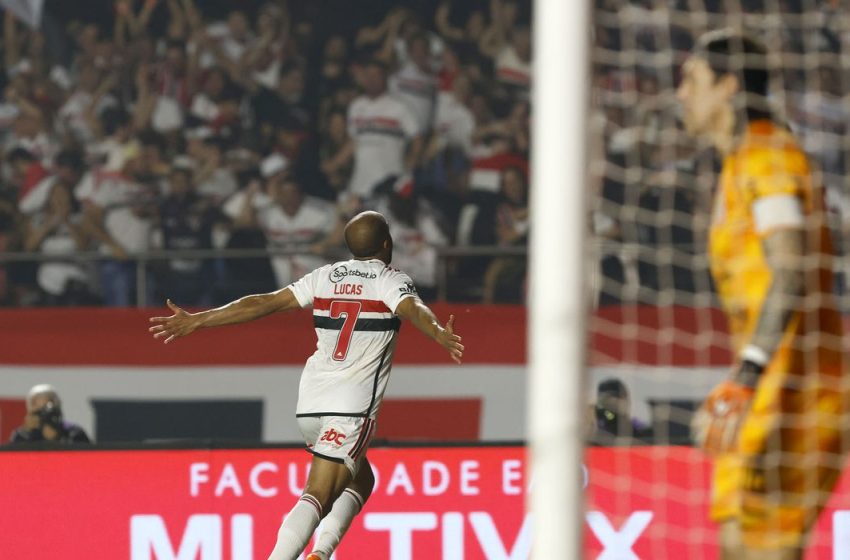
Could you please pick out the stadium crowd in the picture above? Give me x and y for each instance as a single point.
(165, 126)
(134, 126)
(652, 200)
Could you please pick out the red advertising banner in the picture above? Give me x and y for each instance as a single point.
(451, 503)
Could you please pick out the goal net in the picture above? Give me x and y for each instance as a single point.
(659, 339)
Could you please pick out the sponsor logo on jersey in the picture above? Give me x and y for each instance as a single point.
(333, 436)
(408, 288)
(342, 272)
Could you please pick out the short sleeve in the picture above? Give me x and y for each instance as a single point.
(775, 184)
(304, 289)
(397, 286)
(772, 172)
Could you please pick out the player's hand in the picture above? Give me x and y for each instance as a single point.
(450, 341)
(716, 424)
(179, 324)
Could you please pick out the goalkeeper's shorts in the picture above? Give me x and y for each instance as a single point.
(790, 453)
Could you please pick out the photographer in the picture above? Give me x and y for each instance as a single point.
(44, 420)
(615, 424)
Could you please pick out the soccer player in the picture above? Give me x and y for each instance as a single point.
(356, 309)
(775, 425)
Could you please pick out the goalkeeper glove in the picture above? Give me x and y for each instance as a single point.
(718, 420)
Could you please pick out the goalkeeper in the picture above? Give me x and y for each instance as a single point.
(775, 426)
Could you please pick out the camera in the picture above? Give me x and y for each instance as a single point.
(50, 415)
(607, 419)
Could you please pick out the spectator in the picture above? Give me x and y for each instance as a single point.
(185, 222)
(118, 212)
(509, 46)
(68, 171)
(417, 238)
(214, 179)
(173, 86)
(334, 66)
(115, 139)
(57, 230)
(614, 420)
(79, 113)
(415, 83)
(821, 114)
(246, 275)
(291, 221)
(153, 164)
(464, 39)
(216, 104)
(387, 139)
(26, 172)
(266, 54)
(44, 421)
(337, 152)
(236, 36)
(455, 122)
(503, 279)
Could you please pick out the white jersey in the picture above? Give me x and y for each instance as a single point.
(417, 89)
(381, 128)
(314, 219)
(354, 305)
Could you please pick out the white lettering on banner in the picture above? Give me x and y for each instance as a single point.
(264, 479)
(511, 473)
(400, 527)
(294, 489)
(400, 478)
(149, 539)
(254, 480)
(228, 480)
(469, 474)
(241, 537)
(453, 536)
(491, 542)
(617, 545)
(429, 488)
(841, 535)
(198, 474)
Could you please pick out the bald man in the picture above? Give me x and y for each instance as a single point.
(357, 307)
(44, 422)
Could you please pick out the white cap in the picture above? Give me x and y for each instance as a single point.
(183, 162)
(272, 165)
(42, 389)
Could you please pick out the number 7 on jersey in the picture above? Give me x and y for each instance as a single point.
(350, 310)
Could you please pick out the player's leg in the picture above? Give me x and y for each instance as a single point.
(325, 483)
(345, 508)
(787, 482)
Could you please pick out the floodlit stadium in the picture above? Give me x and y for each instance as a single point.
(454, 279)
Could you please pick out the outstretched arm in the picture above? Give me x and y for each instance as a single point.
(242, 310)
(423, 318)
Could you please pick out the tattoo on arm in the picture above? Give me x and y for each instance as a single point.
(785, 252)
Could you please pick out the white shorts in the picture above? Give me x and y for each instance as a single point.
(341, 439)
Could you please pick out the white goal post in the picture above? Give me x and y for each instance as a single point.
(557, 303)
